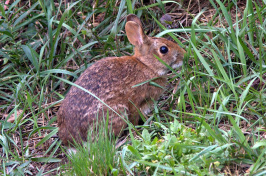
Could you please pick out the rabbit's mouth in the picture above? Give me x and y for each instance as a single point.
(177, 65)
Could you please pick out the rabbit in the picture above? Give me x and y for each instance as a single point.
(113, 80)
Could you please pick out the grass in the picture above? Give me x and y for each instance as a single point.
(95, 157)
(211, 123)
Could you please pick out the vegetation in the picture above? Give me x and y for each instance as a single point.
(211, 121)
(94, 157)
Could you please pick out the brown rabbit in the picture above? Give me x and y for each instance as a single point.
(112, 80)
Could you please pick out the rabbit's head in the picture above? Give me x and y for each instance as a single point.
(146, 47)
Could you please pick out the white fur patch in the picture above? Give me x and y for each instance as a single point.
(162, 72)
(174, 66)
(71, 151)
(177, 65)
(146, 110)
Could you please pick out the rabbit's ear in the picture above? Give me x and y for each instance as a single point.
(135, 18)
(135, 33)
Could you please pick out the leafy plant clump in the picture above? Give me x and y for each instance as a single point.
(176, 149)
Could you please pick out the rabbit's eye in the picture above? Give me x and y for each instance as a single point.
(163, 49)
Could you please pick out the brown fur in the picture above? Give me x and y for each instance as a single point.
(112, 80)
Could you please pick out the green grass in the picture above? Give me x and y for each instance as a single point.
(94, 157)
(212, 123)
